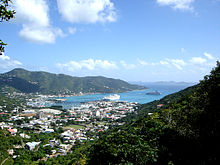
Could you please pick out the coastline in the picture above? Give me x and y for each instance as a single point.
(94, 93)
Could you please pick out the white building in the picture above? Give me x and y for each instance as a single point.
(32, 145)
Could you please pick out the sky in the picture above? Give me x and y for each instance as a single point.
(132, 40)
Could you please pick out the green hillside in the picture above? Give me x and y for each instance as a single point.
(8, 103)
(7, 142)
(185, 130)
(47, 83)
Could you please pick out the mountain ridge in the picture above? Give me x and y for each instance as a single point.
(50, 83)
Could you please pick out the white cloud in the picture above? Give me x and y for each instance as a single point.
(15, 62)
(197, 60)
(89, 64)
(209, 56)
(58, 32)
(38, 35)
(184, 5)
(3, 57)
(34, 12)
(72, 30)
(127, 66)
(34, 17)
(164, 63)
(142, 62)
(154, 63)
(105, 64)
(178, 63)
(87, 11)
(6, 63)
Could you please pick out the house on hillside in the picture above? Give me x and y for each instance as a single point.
(159, 105)
(32, 145)
(13, 131)
(49, 131)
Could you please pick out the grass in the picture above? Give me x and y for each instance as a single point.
(75, 126)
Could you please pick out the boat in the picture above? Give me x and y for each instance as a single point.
(153, 93)
(59, 100)
(112, 97)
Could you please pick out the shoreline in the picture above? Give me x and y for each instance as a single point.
(83, 94)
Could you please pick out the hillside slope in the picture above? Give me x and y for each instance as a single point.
(47, 83)
(185, 130)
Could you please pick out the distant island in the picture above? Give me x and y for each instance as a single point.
(21, 80)
(153, 93)
(164, 83)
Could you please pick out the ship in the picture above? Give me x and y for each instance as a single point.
(59, 100)
(111, 97)
(153, 93)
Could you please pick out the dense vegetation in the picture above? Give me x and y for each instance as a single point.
(7, 104)
(186, 130)
(25, 156)
(7, 142)
(43, 82)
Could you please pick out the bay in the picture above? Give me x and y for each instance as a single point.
(130, 96)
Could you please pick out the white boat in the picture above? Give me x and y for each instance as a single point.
(112, 97)
(59, 100)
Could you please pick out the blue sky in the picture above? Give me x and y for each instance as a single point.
(133, 40)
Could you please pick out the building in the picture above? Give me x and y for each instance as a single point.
(159, 105)
(49, 131)
(13, 131)
(32, 145)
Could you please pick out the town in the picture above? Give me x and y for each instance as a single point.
(57, 129)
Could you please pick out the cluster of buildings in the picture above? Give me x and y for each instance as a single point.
(111, 110)
(78, 123)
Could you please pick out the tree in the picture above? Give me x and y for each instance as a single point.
(5, 15)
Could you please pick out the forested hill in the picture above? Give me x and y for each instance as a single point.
(184, 131)
(8, 103)
(47, 83)
(151, 107)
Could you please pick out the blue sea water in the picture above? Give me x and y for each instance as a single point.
(131, 96)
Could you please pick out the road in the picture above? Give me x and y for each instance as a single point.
(4, 161)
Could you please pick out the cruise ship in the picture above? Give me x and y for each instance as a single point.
(112, 97)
